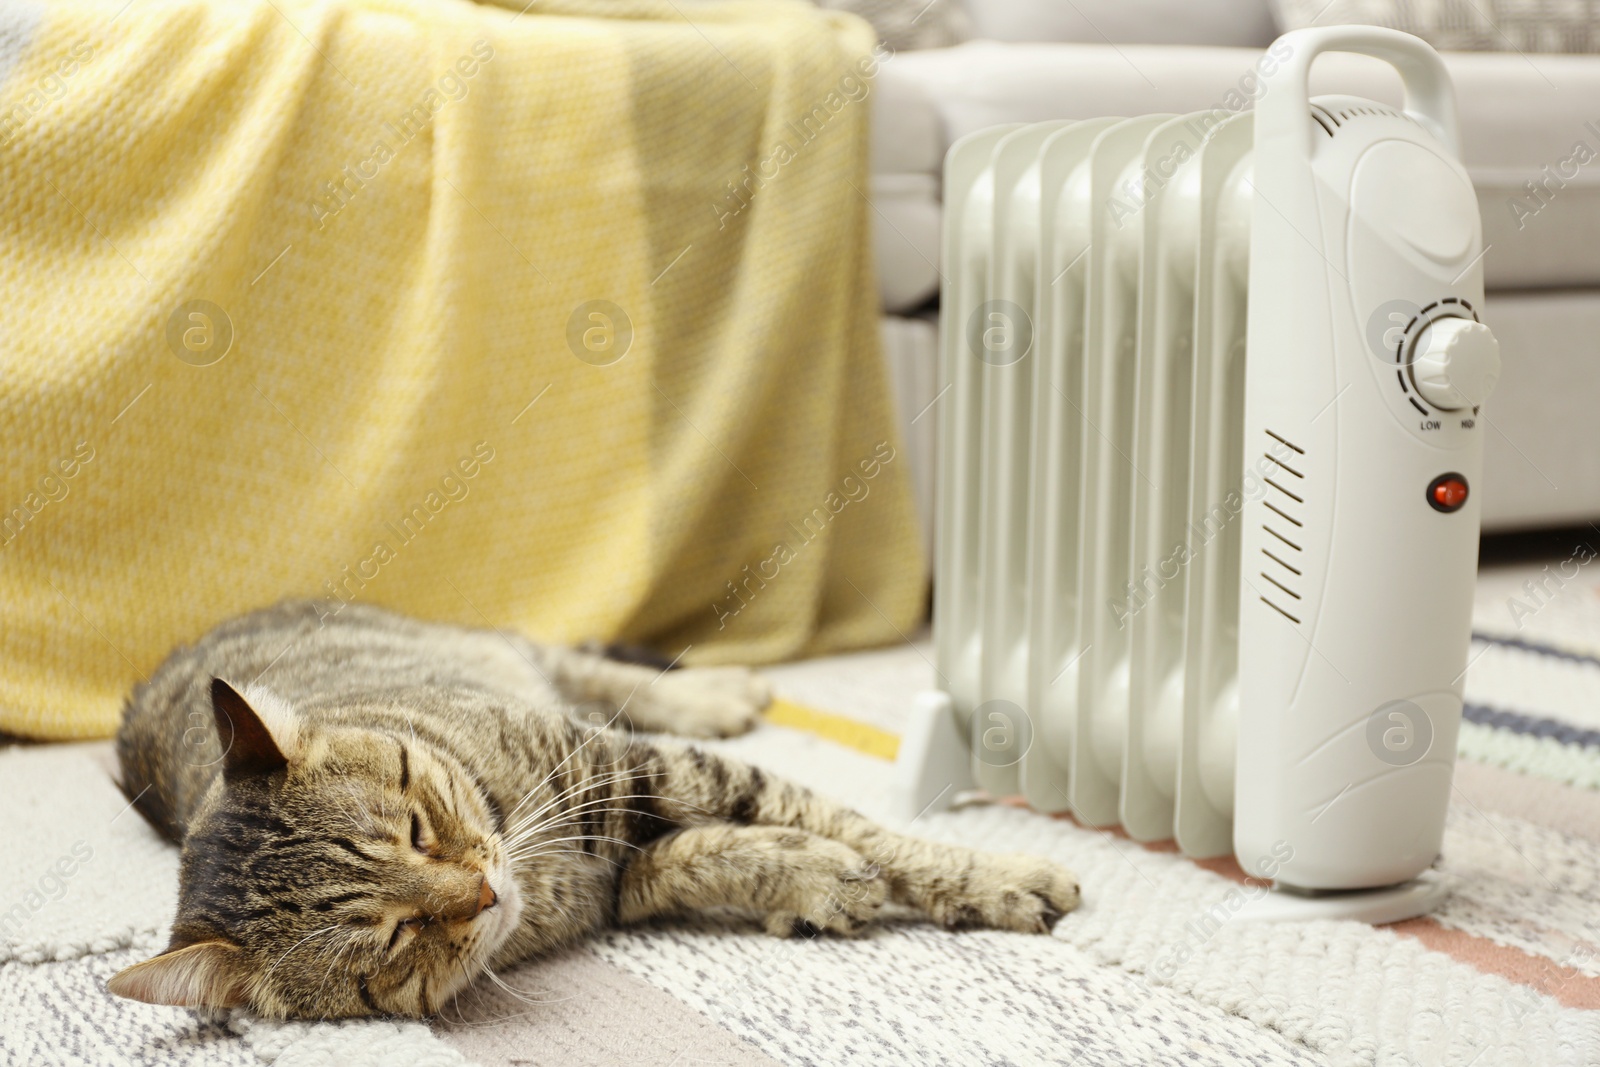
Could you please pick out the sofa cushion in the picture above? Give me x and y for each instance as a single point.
(908, 24)
(905, 233)
(908, 133)
(1518, 127)
(1224, 22)
(1459, 25)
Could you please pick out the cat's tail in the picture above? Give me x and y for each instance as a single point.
(168, 752)
(140, 772)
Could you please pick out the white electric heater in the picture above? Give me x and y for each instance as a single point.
(1207, 525)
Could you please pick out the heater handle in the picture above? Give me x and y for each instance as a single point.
(1284, 109)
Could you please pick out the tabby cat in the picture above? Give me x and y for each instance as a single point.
(374, 810)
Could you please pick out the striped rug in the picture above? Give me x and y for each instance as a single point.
(1156, 967)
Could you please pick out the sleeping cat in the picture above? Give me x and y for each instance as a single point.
(374, 810)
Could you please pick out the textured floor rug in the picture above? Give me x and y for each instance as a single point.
(1506, 972)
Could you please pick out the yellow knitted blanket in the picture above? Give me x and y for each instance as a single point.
(557, 319)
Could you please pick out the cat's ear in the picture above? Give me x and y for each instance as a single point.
(258, 735)
(204, 974)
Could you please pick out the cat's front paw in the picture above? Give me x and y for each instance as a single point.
(829, 888)
(1006, 892)
(708, 701)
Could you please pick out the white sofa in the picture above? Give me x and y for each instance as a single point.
(1525, 118)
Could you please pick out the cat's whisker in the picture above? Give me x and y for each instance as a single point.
(572, 852)
(557, 825)
(598, 781)
(532, 837)
(568, 815)
(519, 994)
(498, 1019)
(534, 854)
(536, 840)
(521, 824)
(579, 748)
(339, 957)
(468, 985)
(543, 839)
(583, 783)
(521, 833)
(297, 944)
(579, 837)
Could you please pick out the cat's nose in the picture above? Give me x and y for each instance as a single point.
(486, 894)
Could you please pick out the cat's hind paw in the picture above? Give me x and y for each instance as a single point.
(705, 702)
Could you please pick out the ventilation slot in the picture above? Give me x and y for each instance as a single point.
(1349, 114)
(1281, 565)
(1324, 118)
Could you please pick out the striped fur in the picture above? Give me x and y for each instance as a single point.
(374, 811)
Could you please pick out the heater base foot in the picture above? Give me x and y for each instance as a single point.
(934, 762)
(935, 766)
(1390, 904)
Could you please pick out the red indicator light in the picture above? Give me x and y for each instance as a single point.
(1447, 492)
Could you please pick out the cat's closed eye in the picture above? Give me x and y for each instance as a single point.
(403, 928)
(419, 837)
